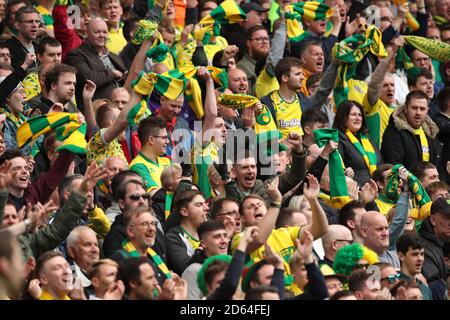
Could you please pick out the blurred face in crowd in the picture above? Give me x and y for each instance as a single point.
(85, 251)
(196, 211)
(370, 290)
(13, 10)
(169, 38)
(389, 277)
(354, 119)
(170, 12)
(97, 33)
(215, 242)
(425, 85)
(105, 276)
(113, 166)
(254, 18)
(416, 112)
(259, 44)
(64, 89)
(319, 27)
(208, 6)
(264, 277)
(388, 90)
(375, 230)
(12, 271)
(133, 197)
(430, 175)
(112, 11)
(120, 97)
(412, 261)
(10, 216)
(145, 287)
(414, 294)
(56, 276)
(443, 8)
(245, 172)
(254, 211)
(19, 174)
(142, 230)
(16, 100)
(313, 59)
(334, 285)
(230, 209)
(421, 60)
(445, 36)
(219, 134)
(295, 78)
(342, 8)
(237, 81)
(387, 17)
(170, 108)
(28, 26)
(5, 56)
(434, 33)
(51, 55)
(2, 8)
(215, 282)
(441, 224)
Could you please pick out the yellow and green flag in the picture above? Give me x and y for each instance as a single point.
(67, 127)
(164, 84)
(437, 50)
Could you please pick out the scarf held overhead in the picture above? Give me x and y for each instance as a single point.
(67, 127)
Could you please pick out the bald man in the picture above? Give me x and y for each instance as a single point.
(337, 237)
(237, 81)
(375, 233)
(94, 62)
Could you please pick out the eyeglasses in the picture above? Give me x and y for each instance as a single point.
(229, 213)
(146, 224)
(348, 241)
(261, 39)
(137, 197)
(391, 279)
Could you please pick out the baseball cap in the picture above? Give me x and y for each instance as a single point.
(441, 206)
(249, 6)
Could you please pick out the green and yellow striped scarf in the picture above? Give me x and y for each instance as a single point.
(145, 30)
(131, 249)
(310, 10)
(67, 127)
(242, 101)
(227, 12)
(402, 61)
(437, 50)
(17, 120)
(350, 52)
(193, 92)
(421, 200)
(158, 50)
(139, 112)
(338, 185)
(168, 204)
(166, 85)
(365, 148)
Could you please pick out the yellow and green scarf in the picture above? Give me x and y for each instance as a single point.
(311, 10)
(158, 50)
(338, 185)
(17, 120)
(145, 30)
(350, 52)
(67, 127)
(139, 112)
(193, 92)
(168, 204)
(424, 144)
(365, 148)
(402, 61)
(421, 200)
(164, 84)
(227, 12)
(132, 252)
(242, 101)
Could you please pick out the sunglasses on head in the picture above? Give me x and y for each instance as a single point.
(391, 279)
(136, 197)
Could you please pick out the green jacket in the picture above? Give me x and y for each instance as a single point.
(49, 237)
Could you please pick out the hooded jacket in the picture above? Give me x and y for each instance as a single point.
(434, 267)
(402, 145)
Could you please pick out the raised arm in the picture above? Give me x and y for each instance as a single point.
(210, 105)
(88, 94)
(326, 85)
(277, 47)
(319, 223)
(138, 63)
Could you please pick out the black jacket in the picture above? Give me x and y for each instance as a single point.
(443, 122)
(434, 267)
(177, 251)
(89, 66)
(400, 144)
(19, 52)
(118, 234)
(352, 158)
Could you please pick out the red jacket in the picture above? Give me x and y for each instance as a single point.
(65, 31)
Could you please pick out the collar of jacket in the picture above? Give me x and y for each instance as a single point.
(399, 118)
(427, 233)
